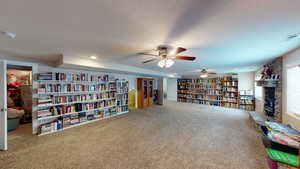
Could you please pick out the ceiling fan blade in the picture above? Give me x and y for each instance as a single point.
(150, 60)
(149, 54)
(190, 58)
(180, 49)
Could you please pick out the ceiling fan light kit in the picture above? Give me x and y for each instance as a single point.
(204, 75)
(166, 57)
(165, 63)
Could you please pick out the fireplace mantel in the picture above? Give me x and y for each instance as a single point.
(268, 82)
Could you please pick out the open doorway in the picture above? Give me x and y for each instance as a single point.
(19, 100)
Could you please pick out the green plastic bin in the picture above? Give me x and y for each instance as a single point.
(282, 157)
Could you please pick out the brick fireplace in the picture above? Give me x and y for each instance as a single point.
(273, 94)
(272, 91)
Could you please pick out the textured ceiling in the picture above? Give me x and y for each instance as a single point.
(231, 35)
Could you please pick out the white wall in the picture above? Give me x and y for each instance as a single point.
(258, 92)
(289, 60)
(172, 89)
(246, 81)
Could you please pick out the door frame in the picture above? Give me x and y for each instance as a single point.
(3, 106)
(34, 67)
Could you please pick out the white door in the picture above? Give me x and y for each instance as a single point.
(3, 106)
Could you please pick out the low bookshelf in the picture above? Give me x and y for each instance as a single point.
(66, 100)
(217, 91)
(247, 100)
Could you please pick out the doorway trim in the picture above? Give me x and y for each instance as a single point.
(34, 67)
(3, 106)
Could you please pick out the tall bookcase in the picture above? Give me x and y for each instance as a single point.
(66, 100)
(145, 92)
(231, 92)
(218, 91)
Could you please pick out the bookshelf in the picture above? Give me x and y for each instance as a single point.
(145, 92)
(66, 100)
(231, 93)
(247, 100)
(217, 91)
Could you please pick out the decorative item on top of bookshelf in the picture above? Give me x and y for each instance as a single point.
(67, 100)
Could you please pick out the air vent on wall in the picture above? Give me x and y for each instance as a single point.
(293, 36)
(10, 35)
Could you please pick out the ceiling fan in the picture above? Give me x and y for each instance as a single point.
(204, 73)
(166, 57)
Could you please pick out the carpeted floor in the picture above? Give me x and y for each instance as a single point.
(174, 136)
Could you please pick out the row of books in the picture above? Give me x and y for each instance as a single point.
(69, 120)
(77, 107)
(122, 87)
(201, 80)
(230, 83)
(122, 102)
(230, 94)
(50, 88)
(229, 78)
(214, 92)
(229, 89)
(71, 77)
(213, 98)
(184, 91)
(211, 103)
(229, 99)
(48, 100)
(231, 105)
(199, 101)
(194, 96)
(122, 96)
(246, 101)
(122, 108)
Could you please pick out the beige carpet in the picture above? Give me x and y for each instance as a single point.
(174, 136)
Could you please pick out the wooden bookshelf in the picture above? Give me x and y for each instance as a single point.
(145, 92)
(218, 91)
(231, 93)
(66, 100)
(247, 102)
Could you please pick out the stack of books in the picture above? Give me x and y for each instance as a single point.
(45, 76)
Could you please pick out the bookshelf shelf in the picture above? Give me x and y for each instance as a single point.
(83, 123)
(59, 115)
(67, 100)
(73, 82)
(247, 102)
(74, 92)
(87, 101)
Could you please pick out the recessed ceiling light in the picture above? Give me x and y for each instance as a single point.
(93, 57)
(11, 35)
